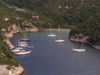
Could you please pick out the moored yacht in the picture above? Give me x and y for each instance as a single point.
(25, 36)
(59, 37)
(51, 34)
(77, 49)
(23, 52)
(18, 49)
(59, 40)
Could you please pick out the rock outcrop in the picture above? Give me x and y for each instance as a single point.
(82, 38)
(15, 29)
(13, 71)
(32, 30)
(9, 43)
(3, 69)
(11, 31)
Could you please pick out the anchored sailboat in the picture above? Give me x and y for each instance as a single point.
(23, 52)
(51, 34)
(22, 44)
(78, 49)
(59, 37)
(17, 49)
(25, 36)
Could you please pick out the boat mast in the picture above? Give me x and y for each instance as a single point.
(23, 35)
(77, 41)
(82, 45)
(59, 31)
(26, 32)
(16, 43)
(50, 28)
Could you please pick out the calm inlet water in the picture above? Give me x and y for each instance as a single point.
(50, 58)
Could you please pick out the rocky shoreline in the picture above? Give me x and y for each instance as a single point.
(13, 71)
(60, 29)
(19, 70)
(16, 29)
(83, 39)
(13, 30)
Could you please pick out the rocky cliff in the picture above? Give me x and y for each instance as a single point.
(13, 71)
(83, 38)
(15, 29)
(12, 30)
(13, 20)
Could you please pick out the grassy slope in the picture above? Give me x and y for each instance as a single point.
(85, 15)
(6, 11)
(6, 56)
(76, 13)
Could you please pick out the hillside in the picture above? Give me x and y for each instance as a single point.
(82, 14)
(67, 13)
(88, 32)
(14, 20)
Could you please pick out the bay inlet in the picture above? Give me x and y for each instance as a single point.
(50, 58)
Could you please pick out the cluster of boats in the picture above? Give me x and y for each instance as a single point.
(22, 45)
(21, 49)
(58, 40)
(58, 37)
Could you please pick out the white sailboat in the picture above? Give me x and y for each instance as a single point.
(25, 36)
(17, 49)
(22, 49)
(23, 52)
(78, 49)
(59, 40)
(51, 34)
(22, 44)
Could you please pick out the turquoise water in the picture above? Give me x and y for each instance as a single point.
(50, 58)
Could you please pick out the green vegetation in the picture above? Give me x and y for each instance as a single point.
(8, 16)
(67, 13)
(83, 16)
(18, 16)
(6, 56)
(89, 28)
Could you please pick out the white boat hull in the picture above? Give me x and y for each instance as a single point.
(23, 45)
(23, 52)
(79, 50)
(17, 49)
(51, 35)
(22, 42)
(59, 40)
